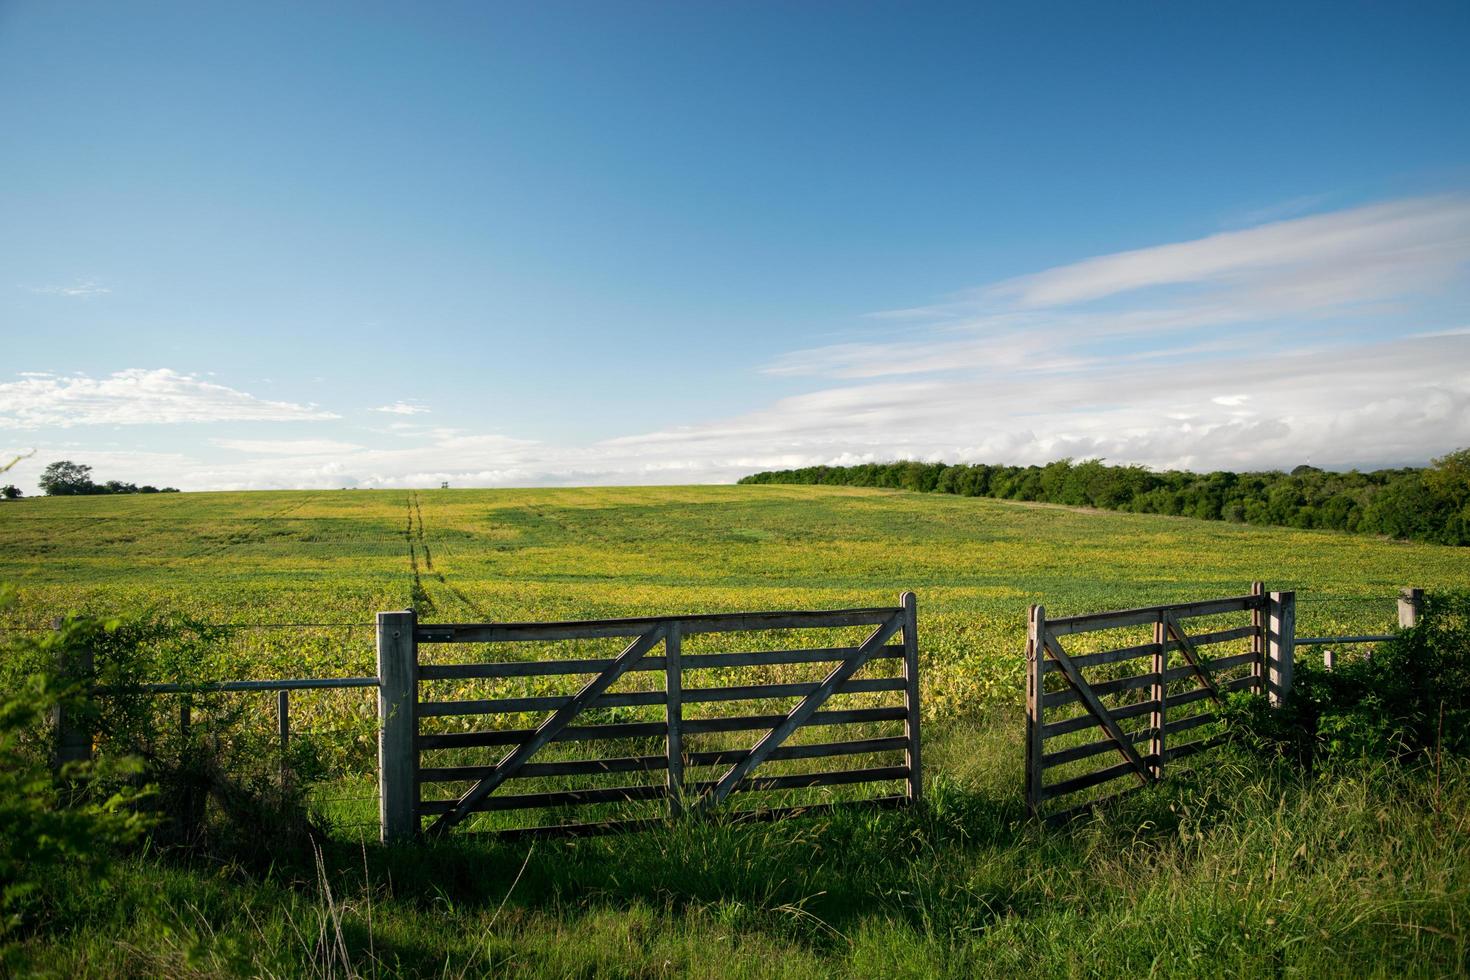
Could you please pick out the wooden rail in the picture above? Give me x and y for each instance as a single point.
(653, 646)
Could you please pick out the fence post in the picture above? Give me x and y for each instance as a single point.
(1280, 645)
(283, 729)
(910, 604)
(1258, 640)
(1411, 604)
(397, 697)
(1160, 694)
(73, 724)
(674, 717)
(1035, 659)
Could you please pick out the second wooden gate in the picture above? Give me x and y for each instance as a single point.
(1142, 695)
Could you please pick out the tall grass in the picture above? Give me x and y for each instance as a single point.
(1236, 866)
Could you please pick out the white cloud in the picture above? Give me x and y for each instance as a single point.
(403, 408)
(1381, 404)
(135, 397)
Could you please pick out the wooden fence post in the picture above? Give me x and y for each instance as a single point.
(1258, 641)
(1160, 694)
(674, 717)
(397, 698)
(73, 725)
(1035, 660)
(1411, 604)
(1280, 645)
(910, 605)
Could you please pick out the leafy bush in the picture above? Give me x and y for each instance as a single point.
(214, 790)
(78, 818)
(1409, 697)
(219, 790)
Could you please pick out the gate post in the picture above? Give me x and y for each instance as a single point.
(1258, 640)
(1280, 645)
(674, 717)
(910, 605)
(1160, 692)
(1035, 663)
(72, 722)
(397, 725)
(1411, 604)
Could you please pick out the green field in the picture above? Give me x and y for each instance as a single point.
(520, 555)
(1227, 869)
(479, 555)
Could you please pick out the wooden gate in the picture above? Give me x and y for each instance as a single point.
(1140, 711)
(652, 670)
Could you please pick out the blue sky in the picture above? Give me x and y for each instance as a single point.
(640, 242)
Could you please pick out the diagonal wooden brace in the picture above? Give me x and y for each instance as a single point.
(548, 729)
(799, 714)
(1191, 653)
(1074, 677)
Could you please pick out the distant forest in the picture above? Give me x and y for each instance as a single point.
(1420, 504)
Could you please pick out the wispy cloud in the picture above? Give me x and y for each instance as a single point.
(288, 447)
(403, 408)
(1290, 283)
(1329, 254)
(1278, 211)
(136, 397)
(79, 288)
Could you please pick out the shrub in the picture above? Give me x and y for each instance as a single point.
(214, 791)
(1411, 696)
(79, 818)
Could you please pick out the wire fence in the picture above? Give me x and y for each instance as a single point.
(322, 732)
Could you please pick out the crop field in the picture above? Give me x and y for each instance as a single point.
(335, 558)
(296, 578)
(299, 575)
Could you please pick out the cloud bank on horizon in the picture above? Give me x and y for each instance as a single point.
(1329, 339)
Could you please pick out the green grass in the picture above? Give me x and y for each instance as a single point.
(1235, 866)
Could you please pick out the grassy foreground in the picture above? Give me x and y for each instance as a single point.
(1236, 866)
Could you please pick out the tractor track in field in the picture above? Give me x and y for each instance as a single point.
(418, 544)
(251, 531)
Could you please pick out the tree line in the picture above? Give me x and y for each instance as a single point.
(67, 479)
(1415, 503)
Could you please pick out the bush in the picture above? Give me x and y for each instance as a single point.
(1410, 697)
(79, 818)
(216, 791)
